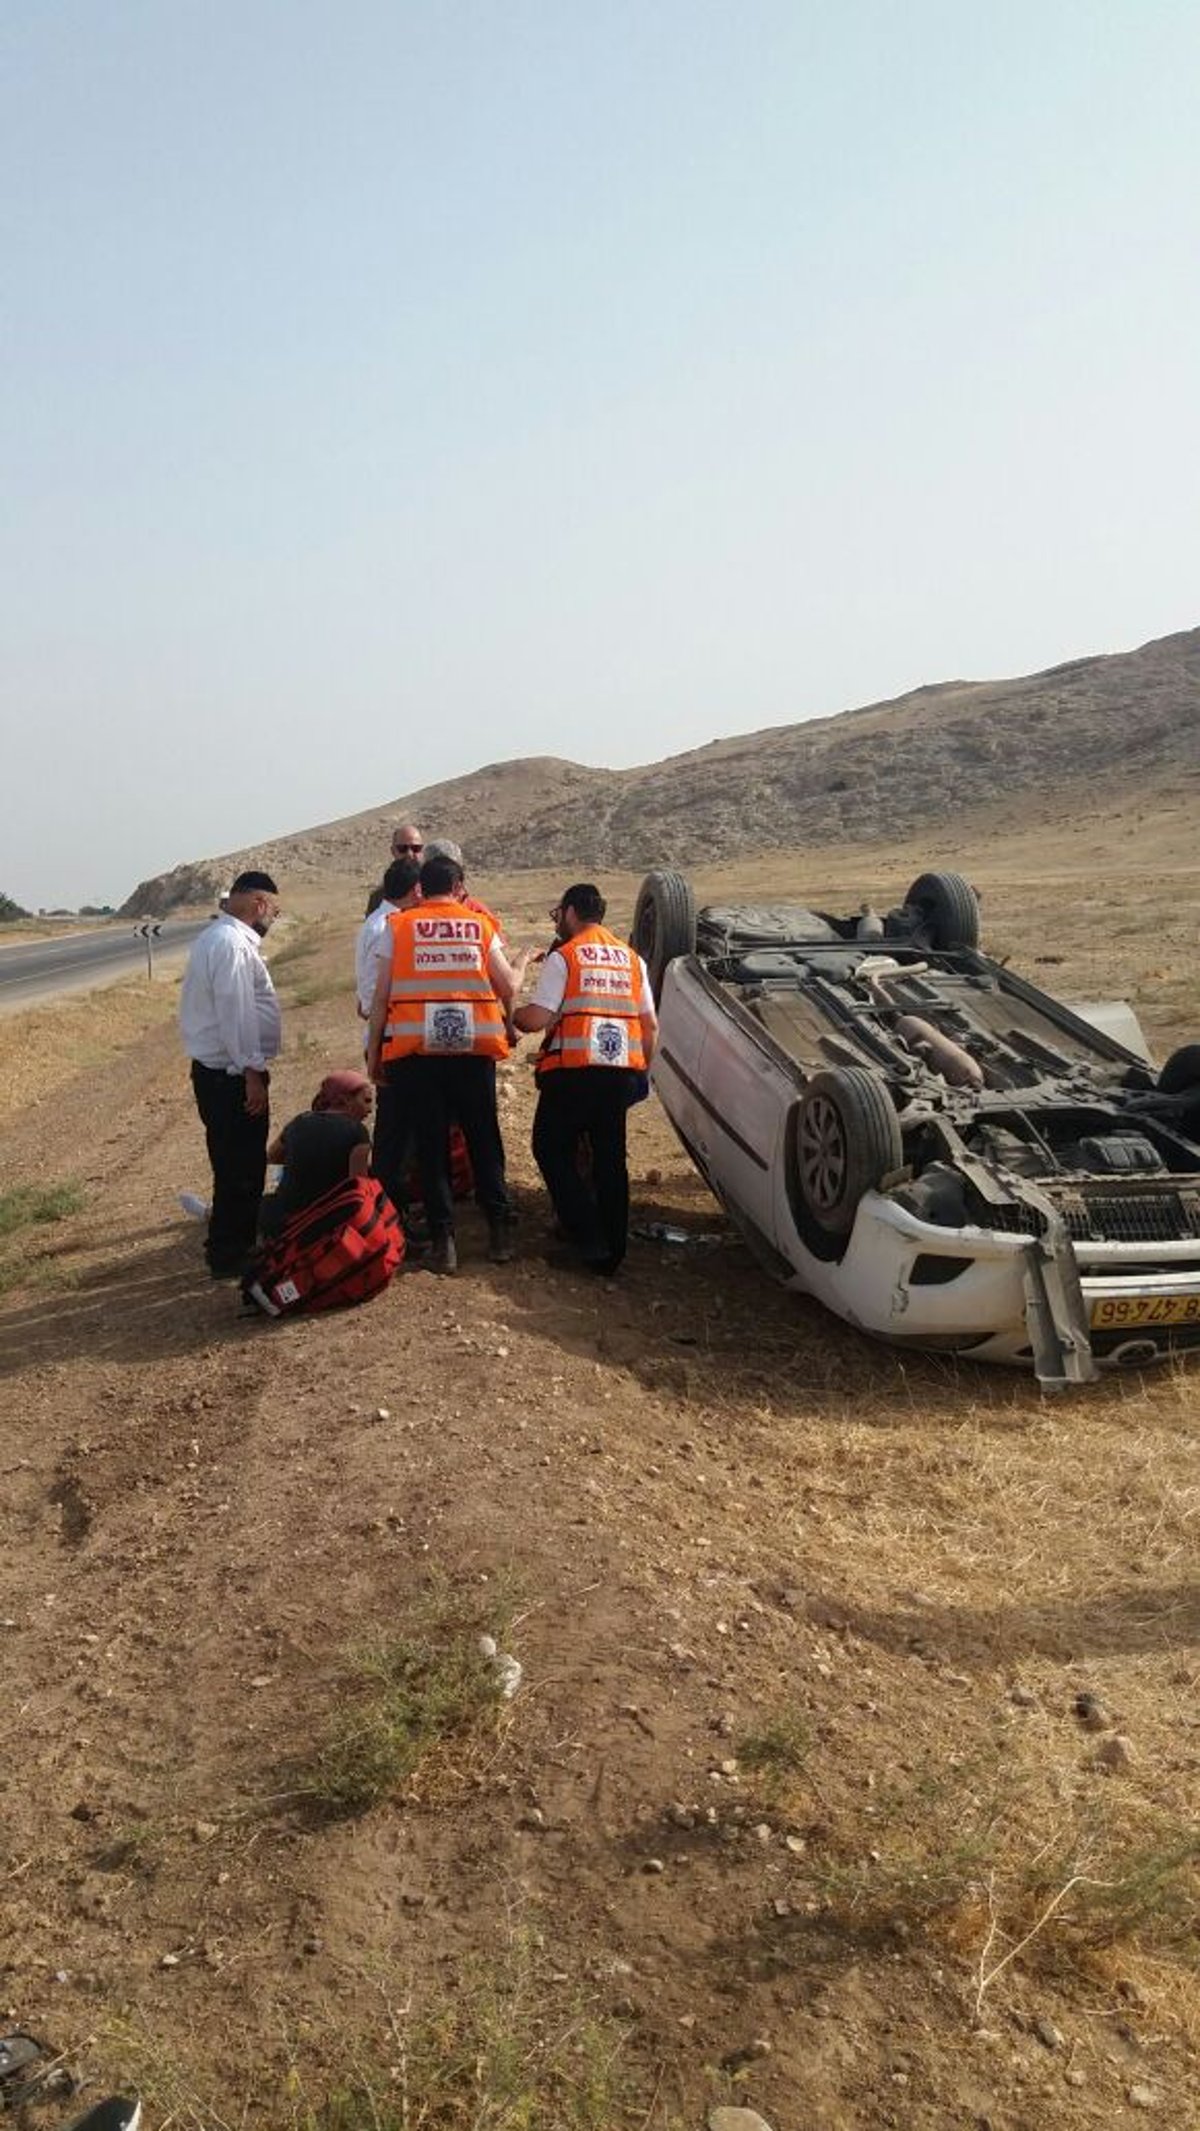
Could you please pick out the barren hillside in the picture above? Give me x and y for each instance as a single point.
(1047, 743)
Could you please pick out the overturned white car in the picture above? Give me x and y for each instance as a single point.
(939, 1152)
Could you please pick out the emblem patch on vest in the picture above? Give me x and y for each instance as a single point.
(449, 1027)
(610, 1043)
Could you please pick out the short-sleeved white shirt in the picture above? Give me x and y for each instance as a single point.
(551, 987)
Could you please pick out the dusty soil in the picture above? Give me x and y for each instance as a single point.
(795, 1760)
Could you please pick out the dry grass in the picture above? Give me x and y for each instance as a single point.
(512, 2044)
(867, 1550)
(44, 1048)
(417, 1712)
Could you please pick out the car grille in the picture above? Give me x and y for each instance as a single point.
(1108, 1217)
(1131, 1217)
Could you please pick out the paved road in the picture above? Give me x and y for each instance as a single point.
(40, 968)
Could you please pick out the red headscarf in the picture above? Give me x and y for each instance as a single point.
(338, 1089)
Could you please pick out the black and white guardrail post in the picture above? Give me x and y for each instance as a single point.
(149, 933)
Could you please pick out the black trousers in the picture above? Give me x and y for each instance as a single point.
(434, 1093)
(577, 1103)
(392, 1144)
(237, 1150)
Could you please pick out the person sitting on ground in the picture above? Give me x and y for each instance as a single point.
(322, 1147)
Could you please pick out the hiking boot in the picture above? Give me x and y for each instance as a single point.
(443, 1255)
(500, 1243)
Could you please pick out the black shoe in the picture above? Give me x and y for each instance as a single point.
(566, 1260)
(500, 1243)
(443, 1255)
(223, 1270)
(118, 2113)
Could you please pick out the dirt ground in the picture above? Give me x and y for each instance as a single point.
(793, 1807)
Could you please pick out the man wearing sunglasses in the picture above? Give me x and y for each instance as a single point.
(407, 842)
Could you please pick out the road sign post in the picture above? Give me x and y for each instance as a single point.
(149, 933)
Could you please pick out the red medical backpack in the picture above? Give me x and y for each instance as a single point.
(342, 1249)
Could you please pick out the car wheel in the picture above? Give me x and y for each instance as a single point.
(664, 923)
(1181, 1071)
(949, 909)
(847, 1140)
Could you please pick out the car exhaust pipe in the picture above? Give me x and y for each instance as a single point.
(1135, 1353)
(950, 1059)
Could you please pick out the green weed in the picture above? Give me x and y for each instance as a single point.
(779, 1752)
(34, 1205)
(407, 1695)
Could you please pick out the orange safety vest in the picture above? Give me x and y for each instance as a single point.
(442, 1003)
(599, 1022)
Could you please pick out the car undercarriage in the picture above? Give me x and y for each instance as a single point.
(924, 1070)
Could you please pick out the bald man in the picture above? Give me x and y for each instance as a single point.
(408, 842)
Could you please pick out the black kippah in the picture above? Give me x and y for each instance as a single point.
(248, 883)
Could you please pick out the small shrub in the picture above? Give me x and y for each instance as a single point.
(409, 1695)
(779, 1752)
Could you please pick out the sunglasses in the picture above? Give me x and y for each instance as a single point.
(416, 849)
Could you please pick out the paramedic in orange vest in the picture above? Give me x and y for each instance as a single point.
(438, 1026)
(595, 1008)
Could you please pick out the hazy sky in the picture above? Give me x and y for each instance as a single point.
(388, 389)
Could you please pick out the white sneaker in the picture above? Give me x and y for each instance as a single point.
(196, 1208)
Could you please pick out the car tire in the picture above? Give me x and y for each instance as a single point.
(664, 923)
(949, 909)
(846, 1141)
(1181, 1072)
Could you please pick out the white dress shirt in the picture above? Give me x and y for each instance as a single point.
(228, 1012)
(366, 967)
